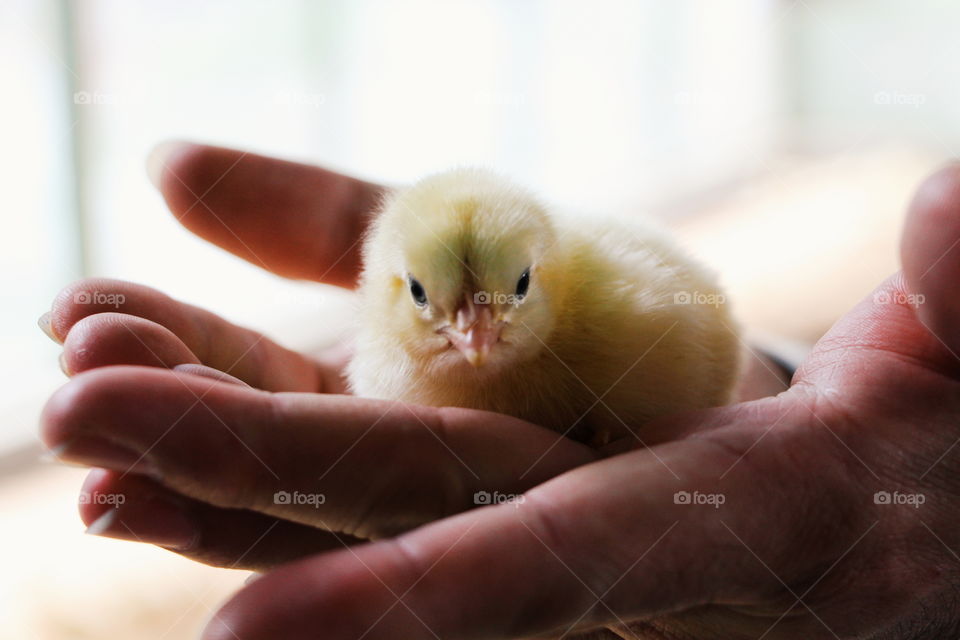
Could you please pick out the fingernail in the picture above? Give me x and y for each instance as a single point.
(63, 364)
(95, 452)
(155, 521)
(44, 323)
(158, 158)
(52, 455)
(99, 526)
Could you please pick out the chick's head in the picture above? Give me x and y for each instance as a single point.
(461, 271)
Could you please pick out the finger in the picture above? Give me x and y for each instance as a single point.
(215, 342)
(107, 339)
(114, 338)
(373, 467)
(296, 220)
(912, 316)
(930, 252)
(574, 554)
(138, 509)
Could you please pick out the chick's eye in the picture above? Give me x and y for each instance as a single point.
(416, 290)
(523, 284)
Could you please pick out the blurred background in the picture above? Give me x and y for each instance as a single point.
(781, 139)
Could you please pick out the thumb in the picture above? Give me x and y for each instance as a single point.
(604, 544)
(930, 254)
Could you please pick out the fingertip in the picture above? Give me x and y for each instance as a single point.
(332, 592)
(92, 511)
(219, 628)
(930, 252)
(85, 399)
(55, 434)
(73, 414)
(103, 523)
(296, 220)
(45, 324)
(184, 172)
(161, 157)
(229, 622)
(932, 221)
(110, 338)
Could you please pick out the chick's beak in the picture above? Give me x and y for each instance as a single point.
(475, 331)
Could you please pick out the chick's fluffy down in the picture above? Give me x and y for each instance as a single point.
(619, 325)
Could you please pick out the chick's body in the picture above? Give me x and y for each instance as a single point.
(474, 296)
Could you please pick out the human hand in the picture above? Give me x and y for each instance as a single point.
(513, 579)
(233, 447)
(839, 501)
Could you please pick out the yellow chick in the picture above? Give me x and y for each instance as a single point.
(474, 295)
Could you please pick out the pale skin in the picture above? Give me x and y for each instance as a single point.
(599, 539)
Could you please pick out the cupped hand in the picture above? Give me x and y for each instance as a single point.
(827, 511)
(231, 449)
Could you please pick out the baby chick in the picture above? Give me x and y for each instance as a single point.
(474, 295)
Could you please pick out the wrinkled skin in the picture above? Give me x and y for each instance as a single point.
(799, 547)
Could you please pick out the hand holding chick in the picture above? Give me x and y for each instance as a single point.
(475, 295)
(879, 380)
